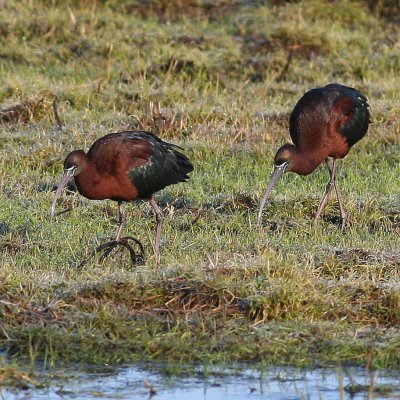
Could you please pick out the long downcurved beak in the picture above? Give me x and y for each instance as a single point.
(68, 175)
(279, 170)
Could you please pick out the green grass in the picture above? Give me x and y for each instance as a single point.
(221, 83)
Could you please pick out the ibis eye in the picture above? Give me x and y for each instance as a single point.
(71, 169)
(281, 164)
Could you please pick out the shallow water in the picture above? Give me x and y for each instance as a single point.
(272, 384)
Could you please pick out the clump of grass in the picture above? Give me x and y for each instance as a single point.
(15, 378)
(162, 121)
(178, 9)
(26, 111)
(385, 8)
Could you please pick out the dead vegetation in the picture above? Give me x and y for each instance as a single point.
(24, 112)
(160, 120)
(178, 9)
(14, 378)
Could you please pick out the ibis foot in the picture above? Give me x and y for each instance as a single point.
(109, 247)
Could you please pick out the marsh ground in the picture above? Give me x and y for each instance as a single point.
(220, 79)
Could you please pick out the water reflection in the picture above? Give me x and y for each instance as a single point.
(272, 384)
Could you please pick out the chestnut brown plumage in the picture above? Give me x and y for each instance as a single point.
(326, 122)
(124, 167)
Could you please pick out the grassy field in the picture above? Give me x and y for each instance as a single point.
(220, 79)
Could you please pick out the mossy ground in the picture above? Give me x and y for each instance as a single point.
(220, 80)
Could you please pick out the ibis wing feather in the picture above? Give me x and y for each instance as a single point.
(354, 116)
(139, 160)
(163, 165)
(322, 111)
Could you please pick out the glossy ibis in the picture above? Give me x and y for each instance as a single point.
(326, 122)
(124, 167)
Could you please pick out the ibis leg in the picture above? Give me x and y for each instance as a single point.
(332, 168)
(121, 221)
(109, 247)
(328, 189)
(159, 221)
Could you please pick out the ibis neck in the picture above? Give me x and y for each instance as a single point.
(88, 182)
(304, 163)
